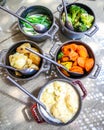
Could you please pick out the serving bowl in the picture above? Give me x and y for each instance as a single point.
(73, 34)
(83, 50)
(38, 9)
(62, 84)
(13, 51)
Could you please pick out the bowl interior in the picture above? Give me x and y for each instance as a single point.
(90, 53)
(45, 115)
(12, 50)
(88, 9)
(37, 10)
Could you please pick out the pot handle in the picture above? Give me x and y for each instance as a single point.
(52, 31)
(60, 7)
(54, 49)
(92, 31)
(96, 73)
(2, 53)
(46, 65)
(56, 45)
(21, 9)
(36, 114)
(81, 87)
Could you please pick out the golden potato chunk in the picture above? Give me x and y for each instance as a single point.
(21, 49)
(35, 58)
(18, 60)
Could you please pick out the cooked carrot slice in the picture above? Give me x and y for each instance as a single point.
(89, 64)
(65, 72)
(72, 46)
(65, 51)
(67, 48)
(77, 69)
(73, 55)
(65, 58)
(82, 51)
(75, 63)
(81, 61)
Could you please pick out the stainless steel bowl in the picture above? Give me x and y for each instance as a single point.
(45, 116)
(73, 34)
(91, 54)
(38, 9)
(12, 50)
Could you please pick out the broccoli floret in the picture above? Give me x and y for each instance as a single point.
(80, 27)
(83, 28)
(87, 19)
(73, 11)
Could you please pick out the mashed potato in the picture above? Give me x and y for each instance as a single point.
(61, 100)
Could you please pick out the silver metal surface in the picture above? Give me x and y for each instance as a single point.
(15, 105)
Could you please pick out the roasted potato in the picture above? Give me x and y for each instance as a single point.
(35, 58)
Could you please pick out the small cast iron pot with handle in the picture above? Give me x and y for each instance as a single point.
(4, 58)
(40, 115)
(38, 9)
(71, 34)
(94, 71)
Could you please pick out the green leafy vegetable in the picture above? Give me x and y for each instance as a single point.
(35, 19)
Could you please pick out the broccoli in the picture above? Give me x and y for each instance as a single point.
(73, 11)
(79, 18)
(79, 27)
(87, 19)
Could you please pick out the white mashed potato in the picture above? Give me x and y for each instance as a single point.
(61, 100)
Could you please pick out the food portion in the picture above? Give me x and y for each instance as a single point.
(23, 59)
(61, 100)
(79, 18)
(35, 19)
(75, 58)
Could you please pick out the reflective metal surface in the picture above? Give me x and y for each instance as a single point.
(15, 105)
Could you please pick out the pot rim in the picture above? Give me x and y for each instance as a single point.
(84, 32)
(76, 114)
(42, 34)
(88, 49)
(14, 46)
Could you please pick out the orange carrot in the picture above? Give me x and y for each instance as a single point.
(81, 61)
(82, 51)
(89, 64)
(77, 69)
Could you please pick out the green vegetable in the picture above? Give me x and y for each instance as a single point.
(60, 55)
(79, 18)
(87, 19)
(35, 19)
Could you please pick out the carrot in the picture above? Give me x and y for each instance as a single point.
(81, 61)
(65, 58)
(73, 55)
(77, 69)
(65, 72)
(89, 64)
(67, 48)
(82, 51)
(75, 63)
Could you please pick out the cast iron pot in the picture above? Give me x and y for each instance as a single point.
(37, 9)
(72, 34)
(45, 116)
(4, 55)
(89, 74)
